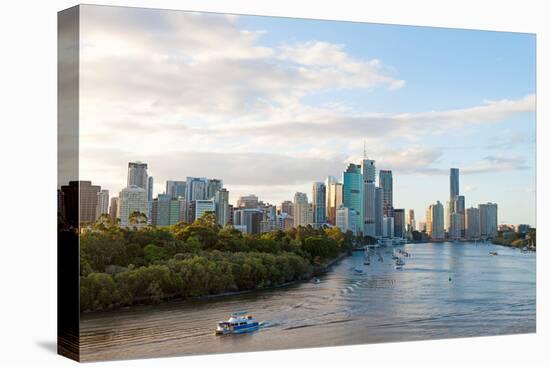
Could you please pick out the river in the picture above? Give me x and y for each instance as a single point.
(486, 295)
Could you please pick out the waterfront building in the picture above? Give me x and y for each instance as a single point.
(488, 219)
(79, 202)
(165, 210)
(422, 226)
(221, 200)
(435, 221)
(301, 208)
(113, 208)
(203, 206)
(250, 219)
(388, 227)
(287, 207)
(248, 202)
(333, 191)
(455, 232)
(353, 192)
(378, 211)
(319, 204)
(369, 209)
(385, 181)
(102, 203)
(454, 183)
(399, 223)
(137, 175)
(132, 199)
(473, 223)
(176, 189)
(411, 223)
(347, 219)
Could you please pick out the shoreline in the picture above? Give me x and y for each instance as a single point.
(317, 270)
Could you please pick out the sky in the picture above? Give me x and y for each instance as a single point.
(271, 105)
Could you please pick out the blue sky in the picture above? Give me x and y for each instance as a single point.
(272, 104)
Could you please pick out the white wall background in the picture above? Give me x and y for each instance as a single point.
(28, 181)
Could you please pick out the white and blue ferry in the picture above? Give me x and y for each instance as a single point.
(238, 323)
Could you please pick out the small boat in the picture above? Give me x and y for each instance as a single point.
(494, 253)
(357, 270)
(399, 262)
(398, 267)
(316, 280)
(239, 323)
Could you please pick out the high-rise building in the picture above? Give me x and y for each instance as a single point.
(137, 174)
(369, 209)
(80, 202)
(319, 203)
(165, 210)
(102, 203)
(435, 225)
(284, 221)
(488, 219)
(221, 199)
(287, 207)
(411, 222)
(388, 227)
(385, 181)
(213, 186)
(378, 211)
(473, 226)
(248, 202)
(334, 198)
(369, 170)
(301, 208)
(456, 226)
(176, 188)
(347, 219)
(353, 192)
(203, 206)
(248, 220)
(399, 222)
(454, 183)
(150, 187)
(131, 199)
(197, 189)
(113, 208)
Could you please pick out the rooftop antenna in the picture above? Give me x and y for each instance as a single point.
(365, 149)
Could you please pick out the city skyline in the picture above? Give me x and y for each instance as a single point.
(297, 105)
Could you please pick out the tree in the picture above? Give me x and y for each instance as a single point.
(137, 219)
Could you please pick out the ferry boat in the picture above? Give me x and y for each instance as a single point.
(239, 323)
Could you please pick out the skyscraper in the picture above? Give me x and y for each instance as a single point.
(221, 199)
(176, 188)
(353, 191)
(248, 219)
(150, 187)
(137, 174)
(385, 181)
(378, 210)
(411, 222)
(456, 226)
(287, 207)
(197, 188)
(346, 219)
(113, 208)
(165, 210)
(488, 219)
(399, 222)
(301, 208)
(473, 227)
(319, 203)
(435, 221)
(213, 186)
(454, 183)
(369, 209)
(369, 170)
(80, 202)
(249, 202)
(102, 203)
(203, 206)
(132, 199)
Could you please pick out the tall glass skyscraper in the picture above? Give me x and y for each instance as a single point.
(385, 181)
(319, 203)
(353, 191)
(454, 183)
(137, 174)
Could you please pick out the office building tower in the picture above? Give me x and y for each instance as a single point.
(334, 199)
(80, 202)
(347, 219)
(388, 227)
(455, 232)
(385, 181)
(132, 199)
(473, 226)
(176, 189)
(284, 221)
(165, 210)
(369, 209)
(319, 204)
(353, 192)
(301, 208)
(410, 221)
(221, 199)
(113, 208)
(248, 202)
(197, 188)
(213, 186)
(150, 188)
(203, 206)
(435, 221)
(399, 222)
(378, 211)
(454, 183)
(287, 207)
(488, 219)
(248, 220)
(102, 203)
(137, 174)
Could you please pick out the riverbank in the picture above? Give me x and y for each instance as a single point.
(317, 270)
